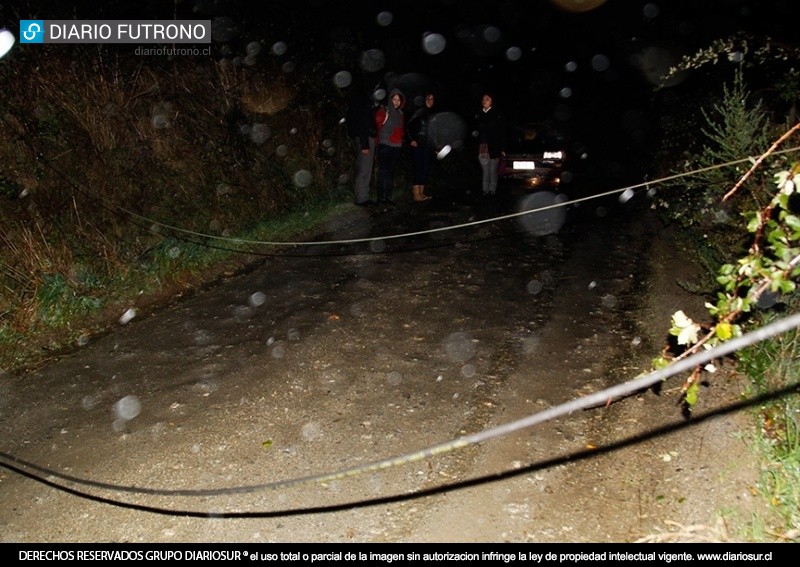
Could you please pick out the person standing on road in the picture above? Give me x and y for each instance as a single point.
(390, 123)
(361, 128)
(421, 151)
(491, 132)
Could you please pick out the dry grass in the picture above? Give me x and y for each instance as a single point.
(107, 147)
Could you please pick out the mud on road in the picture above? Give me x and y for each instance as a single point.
(231, 414)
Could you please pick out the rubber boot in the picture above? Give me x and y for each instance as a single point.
(416, 193)
(423, 196)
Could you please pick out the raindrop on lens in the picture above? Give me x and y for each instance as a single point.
(282, 150)
(650, 11)
(513, 53)
(303, 178)
(600, 62)
(571, 67)
(566, 92)
(468, 371)
(534, 287)
(459, 346)
(293, 334)
(372, 60)
(384, 19)
(259, 133)
(253, 48)
(609, 301)
(491, 34)
(626, 196)
(257, 299)
(342, 79)
(311, 430)
(377, 246)
(394, 378)
(433, 43)
(127, 408)
(160, 121)
(279, 48)
(127, 316)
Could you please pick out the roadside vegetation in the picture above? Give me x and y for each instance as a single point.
(739, 215)
(126, 182)
(127, 179)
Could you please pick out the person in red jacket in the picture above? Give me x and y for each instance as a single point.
(390, 122)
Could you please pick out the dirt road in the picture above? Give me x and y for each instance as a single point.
(243, 412)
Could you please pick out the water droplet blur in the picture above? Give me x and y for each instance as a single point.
(127, 408)
(278, 351)
(433, 43)
(342, 79)
(311, 430)
(459, 346)
(600, 62)
(492, 34)
(384, 18)
(571, 67)
(565, 92)
(127, 316)
(287, 67)
(609, 301)
(303, 178)
(534, 287)
(468, 371)
(174, 252)
(160, 121)
(626, 195)
(260, 133)
(372, 60)
(282, 150)
(513, 53)
(377, 246)
(650, 10)
(279, 48)
(253, 48)
(394, 378)
(547, 216)
(293, 334)
(257, 299)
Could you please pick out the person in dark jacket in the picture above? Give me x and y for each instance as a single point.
(390, 123)
(491, 130)
(417, 131)
(361, 128)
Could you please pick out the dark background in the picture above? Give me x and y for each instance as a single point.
(592, 73)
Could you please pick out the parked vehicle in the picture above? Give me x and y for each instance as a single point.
(535, 157)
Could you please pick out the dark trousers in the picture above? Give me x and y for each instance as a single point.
(388, 160)
(421, 155)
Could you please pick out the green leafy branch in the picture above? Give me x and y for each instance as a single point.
(771, 265)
